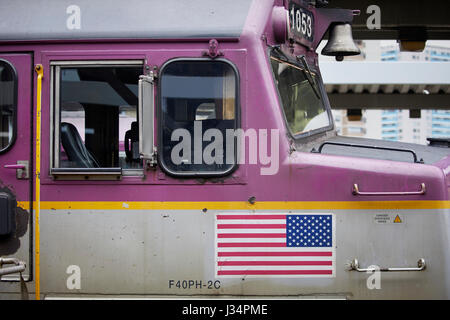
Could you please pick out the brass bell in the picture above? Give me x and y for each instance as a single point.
(340, 42)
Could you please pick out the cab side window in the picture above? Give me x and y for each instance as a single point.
(198, 104)
(8, 105)
(96, 117)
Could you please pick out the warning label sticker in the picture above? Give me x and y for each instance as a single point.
(388, 218)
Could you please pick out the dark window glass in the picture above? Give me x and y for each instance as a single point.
(199, 105)
(8, 94)
(302, 104)
(98, 117)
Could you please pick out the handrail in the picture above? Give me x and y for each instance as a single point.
(40, 74)
(422, 191)
(367, 147)
(421, 265)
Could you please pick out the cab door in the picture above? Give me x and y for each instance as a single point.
(15, 163)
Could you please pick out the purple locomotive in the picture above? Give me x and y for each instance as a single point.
(187, 148)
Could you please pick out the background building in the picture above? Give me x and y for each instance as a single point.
(397, 125)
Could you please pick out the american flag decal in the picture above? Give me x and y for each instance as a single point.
(275, 245)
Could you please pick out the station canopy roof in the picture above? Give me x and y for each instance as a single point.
(391, 85)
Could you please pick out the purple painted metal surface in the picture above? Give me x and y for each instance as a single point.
(279, 22)
(301, 176)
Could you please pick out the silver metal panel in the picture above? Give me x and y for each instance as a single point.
(116, 19)
(196, 297)
(138, 252)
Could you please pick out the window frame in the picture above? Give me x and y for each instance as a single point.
(81, 173)
(323, 97)
(159, 115)
(15, 101)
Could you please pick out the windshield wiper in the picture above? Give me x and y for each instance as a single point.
(301, 59)
(280, 52)
(309, 75)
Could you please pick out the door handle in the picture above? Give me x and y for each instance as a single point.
(21, 169)
(421, 265)
(14, 166)
(356, 192)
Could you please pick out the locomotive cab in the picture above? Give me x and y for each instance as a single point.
(203, 135)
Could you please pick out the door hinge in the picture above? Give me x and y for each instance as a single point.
(152, 160)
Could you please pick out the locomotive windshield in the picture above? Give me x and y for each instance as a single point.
(302, 105)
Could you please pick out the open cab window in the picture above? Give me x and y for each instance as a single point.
(300, 96)
(95, 119)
